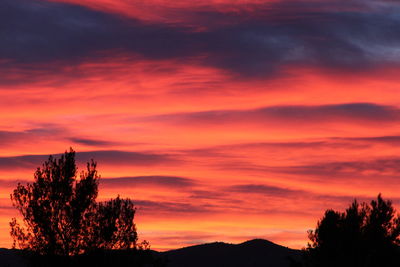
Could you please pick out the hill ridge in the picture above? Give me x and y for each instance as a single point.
(254, 253)
(251, 253)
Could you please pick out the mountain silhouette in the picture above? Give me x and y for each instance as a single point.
(253, 253)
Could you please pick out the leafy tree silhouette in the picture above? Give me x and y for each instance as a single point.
(362, 236)
(61, 216)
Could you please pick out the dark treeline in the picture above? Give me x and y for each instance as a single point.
(365, 235)
(99, 258)
(63, 225)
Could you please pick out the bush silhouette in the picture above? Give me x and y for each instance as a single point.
(362, 236)
(61, 216)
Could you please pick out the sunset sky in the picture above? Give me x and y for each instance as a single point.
(223, 120)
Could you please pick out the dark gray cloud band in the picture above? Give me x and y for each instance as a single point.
(148, 181)
(103, 157)
(343, 35)
(348, 112)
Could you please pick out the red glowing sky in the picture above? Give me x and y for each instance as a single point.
(223, 120)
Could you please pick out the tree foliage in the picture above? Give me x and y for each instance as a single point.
(365, 235)
(61, 216)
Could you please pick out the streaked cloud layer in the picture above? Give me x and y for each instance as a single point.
(258, 40)
(223, 120)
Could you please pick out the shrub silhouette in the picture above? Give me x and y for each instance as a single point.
(364, 235)
(61, 216)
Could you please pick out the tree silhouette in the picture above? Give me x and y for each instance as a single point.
(364, 235)
(115, 228)
(61, 216)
